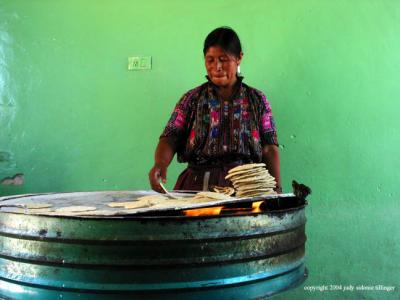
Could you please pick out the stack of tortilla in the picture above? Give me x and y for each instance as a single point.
(252, 180)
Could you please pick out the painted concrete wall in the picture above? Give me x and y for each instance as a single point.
(73, 118)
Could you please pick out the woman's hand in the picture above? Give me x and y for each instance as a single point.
(163, 156)
(156, 174)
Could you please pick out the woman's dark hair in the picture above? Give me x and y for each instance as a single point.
(226, 38)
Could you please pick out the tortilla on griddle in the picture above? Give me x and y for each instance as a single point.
(40, 211)
(138, 204)
(36, 205)
(152, 197)
(212, 195)
(74, 209)
(99, 213)
(130, 204)
(227, 190)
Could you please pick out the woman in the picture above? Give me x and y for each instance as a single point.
(218, 125)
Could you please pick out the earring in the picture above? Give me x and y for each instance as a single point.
(238, 70)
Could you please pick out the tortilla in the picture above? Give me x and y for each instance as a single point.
(256, 193)
(17, 210)
(131, 204)
(263, 182)
(201, 199)
(74, 209)
(263, 178)
(152, 197)
(244, 173)
(171, 203)
(251, 180)
(36, 205)
(253, 193)
(63, 213)
(254, 190)
(159, 200)
(40, 211)
(138, 204)
(224, 190)
(212, 195)
(255, 185)
(246, 167)
(99, 213)
(116, 204)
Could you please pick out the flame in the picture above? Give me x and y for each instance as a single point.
(256, 207)
(214, 211)
(207, 211)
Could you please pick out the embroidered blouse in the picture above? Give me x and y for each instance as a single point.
(203, 127)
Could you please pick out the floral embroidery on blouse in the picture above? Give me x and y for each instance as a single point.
(202, 127)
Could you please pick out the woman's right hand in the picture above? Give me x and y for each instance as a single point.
(162, 159)
(156, 174)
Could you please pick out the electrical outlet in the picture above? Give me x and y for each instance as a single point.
(139, 63)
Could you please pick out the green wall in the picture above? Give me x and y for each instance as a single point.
(73, 118)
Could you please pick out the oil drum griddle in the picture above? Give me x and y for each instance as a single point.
(140, 256)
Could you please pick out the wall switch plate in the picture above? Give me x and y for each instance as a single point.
(139, 63)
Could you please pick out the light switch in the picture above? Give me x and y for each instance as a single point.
(139, 63)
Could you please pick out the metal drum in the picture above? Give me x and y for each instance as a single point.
(230, 256)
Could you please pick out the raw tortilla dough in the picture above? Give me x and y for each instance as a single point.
(129, 204)
(224, 190)
(152, 197)
(212, 196)
(36, 205)
(40, 211)
(74, 209)
(99, 213)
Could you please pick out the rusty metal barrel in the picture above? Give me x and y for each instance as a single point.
(247, 256)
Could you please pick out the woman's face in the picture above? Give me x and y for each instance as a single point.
(221, 67)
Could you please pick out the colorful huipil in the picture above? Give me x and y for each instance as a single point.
(205, 128)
